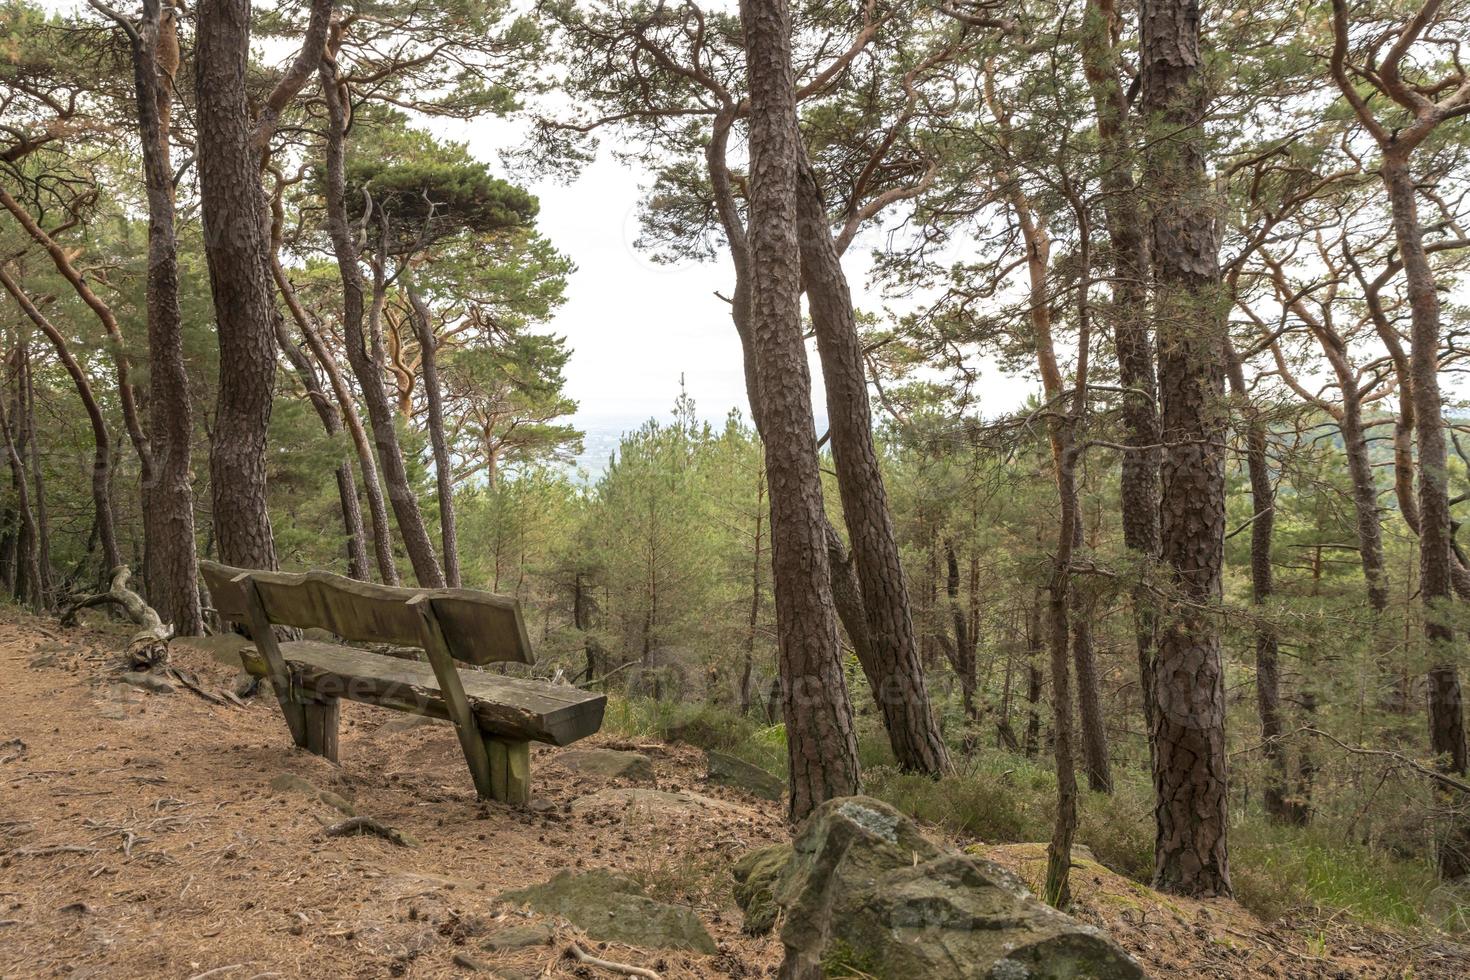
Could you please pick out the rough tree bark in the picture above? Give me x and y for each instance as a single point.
(903, 696)
(846, 592)
(238, 252)
(1191, 856)
(822, 749)
(168, 499)
(366, 364)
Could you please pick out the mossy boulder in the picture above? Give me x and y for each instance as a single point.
(865, 893)
(756, 874)
(613, 908)
(726, 770)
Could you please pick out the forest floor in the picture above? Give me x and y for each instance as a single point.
(140, 836)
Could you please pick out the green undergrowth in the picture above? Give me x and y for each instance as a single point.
(998, 798)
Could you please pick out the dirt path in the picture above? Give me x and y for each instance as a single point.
(141, 836)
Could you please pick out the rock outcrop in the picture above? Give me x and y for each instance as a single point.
(864, 893)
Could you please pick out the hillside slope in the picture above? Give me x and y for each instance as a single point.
(163, 835)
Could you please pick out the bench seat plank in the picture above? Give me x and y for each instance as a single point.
(509, 706)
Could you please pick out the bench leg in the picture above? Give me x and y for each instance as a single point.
(321, 726)
(510, 769)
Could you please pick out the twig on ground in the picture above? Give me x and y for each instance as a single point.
(187, 679)
(582, 956)
(367, 825)
(217, 971)
(30, 852)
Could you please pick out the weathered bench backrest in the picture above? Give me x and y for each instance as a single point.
(480, 627)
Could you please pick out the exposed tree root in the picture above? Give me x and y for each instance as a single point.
(367, 825)
(149, 647)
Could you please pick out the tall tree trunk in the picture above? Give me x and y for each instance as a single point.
(1128, 257)
(1436, 556)
(757, 562)
(434, 397)
(171, 577)
(821, 746)
(237, 247)
(1034, 644)
(903, 696)
(845, 590)
(106, 528)
(366, 363)
(1191, 856)
(38, 483)
(1268, 684)
(1038, 259)
(964, 641)
(27, 580)
(1057, 889)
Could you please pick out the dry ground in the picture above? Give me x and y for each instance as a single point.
(140, 837)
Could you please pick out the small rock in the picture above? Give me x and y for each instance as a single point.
(148, 682)
(519, 937)
(246, 685)
(726, 770)
(654, 801)
(289, 782)
(467, 962)
(608, 762)
(541, 806)
(613, 908)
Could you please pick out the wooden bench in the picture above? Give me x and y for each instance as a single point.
(496, 717)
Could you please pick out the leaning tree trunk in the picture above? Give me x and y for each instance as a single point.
(1128, 257)
(105, 527)
(1191, 856)
(1436, 557)
(365, 363)
(821, 746)
(372, 487)
(237, 247)
(903, 696)
(434, 398)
